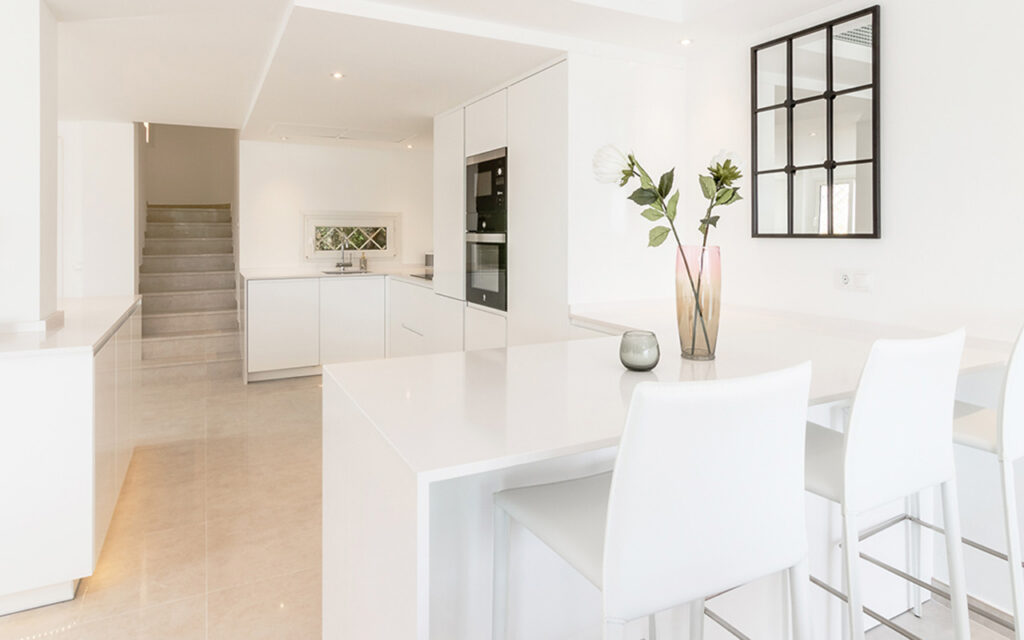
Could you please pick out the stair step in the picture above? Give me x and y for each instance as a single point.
(187, 215)
(162, 324)
(181, 370)
(188, 230)
(188, 263)
(186, 281)
(186, 246)
(181, 301)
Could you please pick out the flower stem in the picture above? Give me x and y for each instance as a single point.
(700, 275)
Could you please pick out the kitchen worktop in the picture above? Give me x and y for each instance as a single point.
(88, 322)
(470, 411)
(401, 272)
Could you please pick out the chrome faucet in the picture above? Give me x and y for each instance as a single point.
(343, 264)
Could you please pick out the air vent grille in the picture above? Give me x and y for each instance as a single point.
(862, 35)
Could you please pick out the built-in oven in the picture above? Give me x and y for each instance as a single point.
(486, 277)
(486, 182)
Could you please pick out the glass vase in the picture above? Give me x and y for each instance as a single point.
(698, 300)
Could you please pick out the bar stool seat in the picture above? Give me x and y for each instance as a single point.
(824, 466)
(569, 517)
(976, 427)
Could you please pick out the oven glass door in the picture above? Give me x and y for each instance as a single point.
(486, 273)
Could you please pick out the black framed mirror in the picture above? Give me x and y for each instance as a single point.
(814, 98)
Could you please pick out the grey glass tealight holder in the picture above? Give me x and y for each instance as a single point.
(638, 350)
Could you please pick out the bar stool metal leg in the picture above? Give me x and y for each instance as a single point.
(697, 620)
(1013, 551)
(499, 610)
(914, 551)
(851, 577)
(799, 581)
(955, 557)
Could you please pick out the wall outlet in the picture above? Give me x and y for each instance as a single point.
(853, 280)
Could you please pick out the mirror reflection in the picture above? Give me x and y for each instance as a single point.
(815, 133)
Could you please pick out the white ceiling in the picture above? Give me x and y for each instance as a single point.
(397, 77)
(213, 62)
(172, 61)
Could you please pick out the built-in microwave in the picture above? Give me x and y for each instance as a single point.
(486, 184)
(486, 270)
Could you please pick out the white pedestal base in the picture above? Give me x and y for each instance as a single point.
(52, 594)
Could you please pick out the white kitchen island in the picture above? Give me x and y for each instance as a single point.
(414, 448)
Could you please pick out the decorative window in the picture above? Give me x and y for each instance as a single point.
(326, 236)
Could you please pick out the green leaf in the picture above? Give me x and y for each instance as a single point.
(665, 184)
(724, 196)
(652, 214)
(657, 236)
(644, 196)
(713, 220)
(672, 204)
(735, 196)
(707, 186)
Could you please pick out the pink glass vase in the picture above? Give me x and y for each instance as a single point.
(698, 300)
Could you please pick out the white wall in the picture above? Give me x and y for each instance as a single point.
(279, 182)
(28, 162)
(636, 107)
(951, 138)
(190, 165)
(98, 209)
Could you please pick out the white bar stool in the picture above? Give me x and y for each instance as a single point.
(897, 443)
(707, 494)
(999, 429)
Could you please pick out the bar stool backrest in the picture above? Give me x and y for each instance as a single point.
(708, 490)
(900, 436)
(1011, 411)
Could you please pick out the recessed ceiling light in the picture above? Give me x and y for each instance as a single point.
(813, 134)
(284, 138)
(408, 146)
(686, 42)
(337, 75)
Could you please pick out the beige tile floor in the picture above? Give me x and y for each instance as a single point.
(217, 531)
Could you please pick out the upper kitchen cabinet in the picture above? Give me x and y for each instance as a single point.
(450, 205)
(487, 124)
(538, 203)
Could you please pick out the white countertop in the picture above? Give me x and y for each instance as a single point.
(88, 322)
(453, 414)
(398, 272)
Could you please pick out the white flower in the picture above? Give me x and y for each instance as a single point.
(722, 156)
(609, 164)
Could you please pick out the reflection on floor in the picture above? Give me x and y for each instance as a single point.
(217, 531)
(936, 623)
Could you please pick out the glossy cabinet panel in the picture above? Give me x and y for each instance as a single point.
(484, 330)
(283, 324)
(422, 322)
(449, 206)
(352, 324)
(486, 124)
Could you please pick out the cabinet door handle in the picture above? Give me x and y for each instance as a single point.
(405, 326)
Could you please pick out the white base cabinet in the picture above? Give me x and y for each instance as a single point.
(352, 324)
(485, 330)
(283, 324)
(421, 322)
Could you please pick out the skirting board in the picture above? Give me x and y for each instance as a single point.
(33, 598)
(281, 374)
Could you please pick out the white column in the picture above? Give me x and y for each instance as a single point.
(28, 165)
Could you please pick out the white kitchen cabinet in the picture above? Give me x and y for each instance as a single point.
(450, 205)
(486, 124)
(104, 441)
(283, 324)
(538, 202)
(421, 321)
(352, 324)
(484, 330)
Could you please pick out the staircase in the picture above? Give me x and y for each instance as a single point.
(187, 281)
